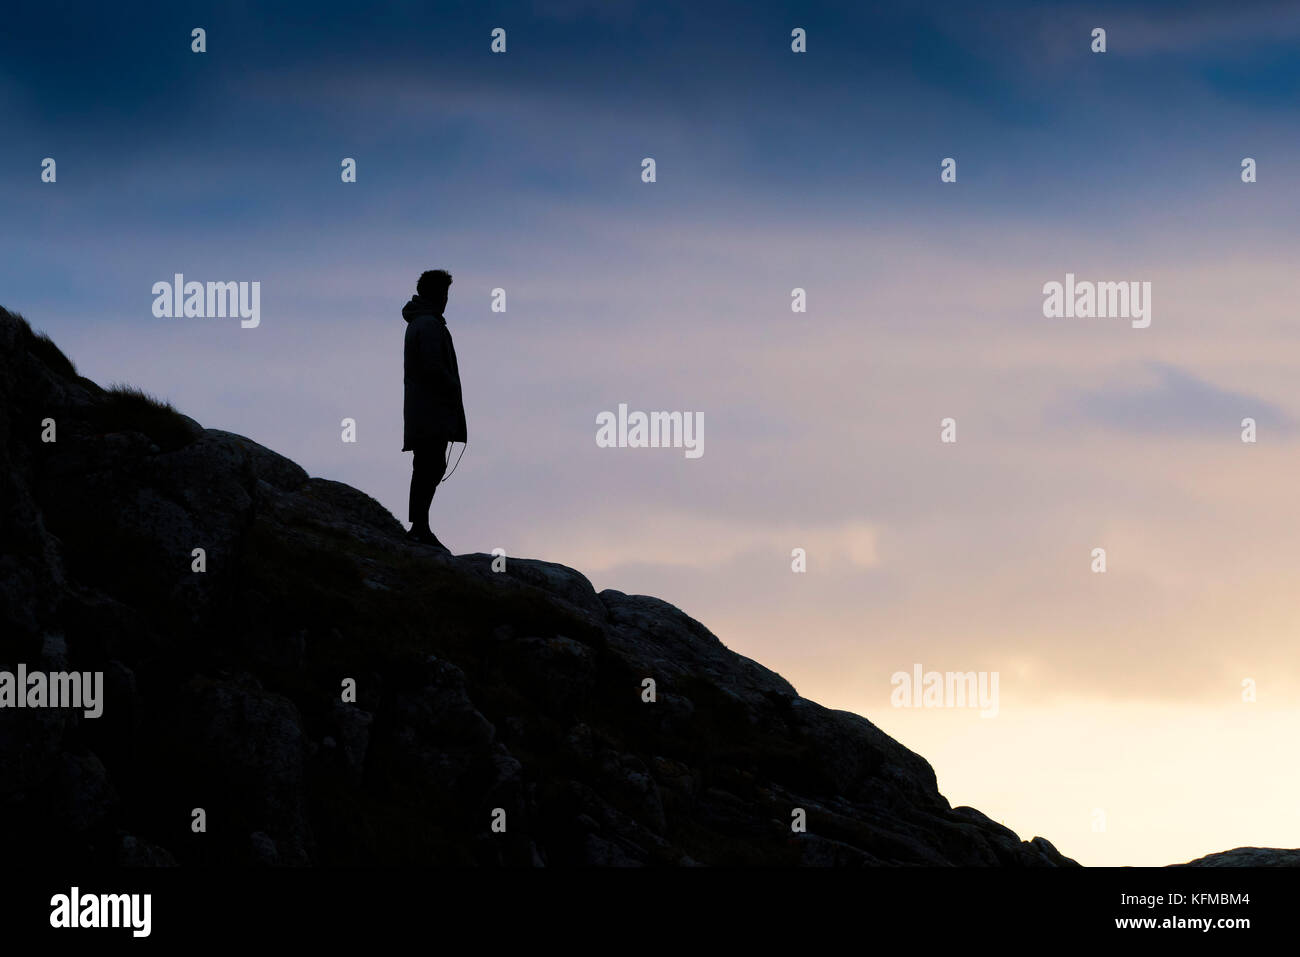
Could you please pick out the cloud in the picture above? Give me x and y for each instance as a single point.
(1210, 29)
(1176, 403)
(684, 540)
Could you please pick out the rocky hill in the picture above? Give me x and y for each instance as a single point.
(475, 690)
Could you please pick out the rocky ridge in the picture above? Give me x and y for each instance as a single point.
(475, 689)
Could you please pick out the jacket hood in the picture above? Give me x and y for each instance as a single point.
(420, 307)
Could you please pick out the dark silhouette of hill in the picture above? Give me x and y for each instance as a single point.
(475, 690)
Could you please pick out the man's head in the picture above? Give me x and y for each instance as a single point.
(433, 286)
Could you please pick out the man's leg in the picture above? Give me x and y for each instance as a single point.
(428, 463)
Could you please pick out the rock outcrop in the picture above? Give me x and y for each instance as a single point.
(475, 690)
(1248, 857)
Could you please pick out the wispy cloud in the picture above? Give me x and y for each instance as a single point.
(1173, 402)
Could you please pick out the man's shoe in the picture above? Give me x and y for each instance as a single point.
(423, 536)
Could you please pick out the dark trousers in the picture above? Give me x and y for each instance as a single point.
(428, 463)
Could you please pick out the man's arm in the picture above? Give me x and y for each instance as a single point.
(433, 361)
(411, 354)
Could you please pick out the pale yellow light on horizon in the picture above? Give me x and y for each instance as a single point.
(1173, 782)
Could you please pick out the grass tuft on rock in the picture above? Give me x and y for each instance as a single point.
(129, 409)
(42, 346)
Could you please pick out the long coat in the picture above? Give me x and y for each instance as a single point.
(433, 411)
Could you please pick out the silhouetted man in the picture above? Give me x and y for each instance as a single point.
(432, 409)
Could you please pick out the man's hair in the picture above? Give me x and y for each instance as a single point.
(433, 284)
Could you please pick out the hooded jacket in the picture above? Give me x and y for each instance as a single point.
(433, 411)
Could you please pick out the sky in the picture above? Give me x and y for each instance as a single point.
(1123, 732)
